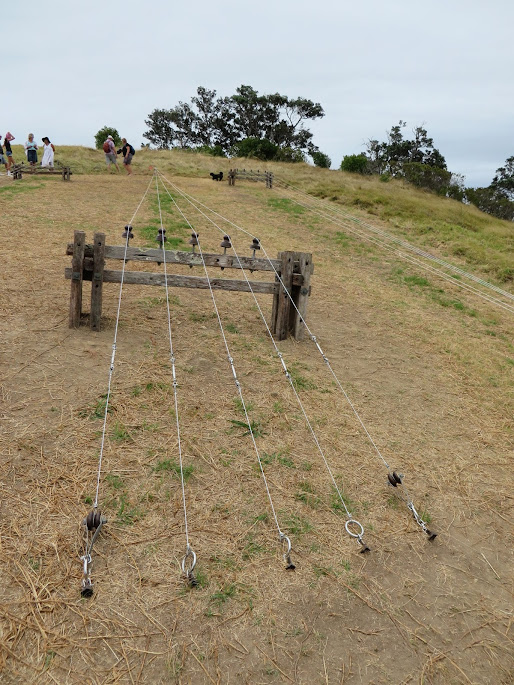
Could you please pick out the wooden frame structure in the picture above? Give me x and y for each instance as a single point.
(250, 175)
(18, 170)
(88, 264)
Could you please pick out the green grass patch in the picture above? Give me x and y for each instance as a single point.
(173, 467)
(285, 205)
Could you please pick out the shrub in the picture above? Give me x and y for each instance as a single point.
(321, 159)
(260, 148)
(102, 135)
(289, 154)
(214, 150)
(429, 177)
(355, 164)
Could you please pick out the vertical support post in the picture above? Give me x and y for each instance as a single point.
(77, 270)
(281, 301)
(301, 295)
(97, 281)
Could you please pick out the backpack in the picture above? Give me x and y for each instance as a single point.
(106, 146)
(132, 151)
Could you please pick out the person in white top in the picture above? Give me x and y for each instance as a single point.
(48, 153)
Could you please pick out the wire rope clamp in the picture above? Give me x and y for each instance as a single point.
(357, 534)
(394, 479)
(287, 554)
(188, 564)
(127, 233)
(161, 236)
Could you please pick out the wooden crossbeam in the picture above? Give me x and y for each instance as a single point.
(227, 261)
(180, 281)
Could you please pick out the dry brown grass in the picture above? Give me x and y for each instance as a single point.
(432, 383)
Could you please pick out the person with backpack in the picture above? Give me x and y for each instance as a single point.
(128, 152)
(110, 152)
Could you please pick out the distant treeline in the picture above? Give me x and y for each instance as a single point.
(420, 163)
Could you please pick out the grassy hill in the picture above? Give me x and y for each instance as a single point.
(428, 366)
(452, 229)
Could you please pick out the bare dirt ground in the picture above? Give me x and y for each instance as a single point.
(432, 383)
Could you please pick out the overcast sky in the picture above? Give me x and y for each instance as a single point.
(69, 68)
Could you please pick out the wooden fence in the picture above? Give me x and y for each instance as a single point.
(88, 264)
(250, 175)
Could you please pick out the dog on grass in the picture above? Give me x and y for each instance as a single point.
(217, 177)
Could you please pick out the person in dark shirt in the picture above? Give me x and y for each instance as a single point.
(7, 142)
(128, 152)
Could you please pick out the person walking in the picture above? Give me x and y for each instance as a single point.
(31, 150)
(48, 153)
(128, 152)
(8, 151)
(110, 152)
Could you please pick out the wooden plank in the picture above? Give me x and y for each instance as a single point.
(228, 261)
(179, 281)
(76, 271)
(301, 296)
(97, 281)
(283, 301)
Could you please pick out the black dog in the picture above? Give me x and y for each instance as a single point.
(217, 177)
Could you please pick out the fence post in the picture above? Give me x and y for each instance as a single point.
(97, 281)
(301, 295)
(281, 301)
(77, 269)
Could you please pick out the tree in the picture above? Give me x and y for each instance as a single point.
(488, 200)
(503, 181)
(356, 164)
(321, 160)
(102, 134)
(226, 122)
(391, 155)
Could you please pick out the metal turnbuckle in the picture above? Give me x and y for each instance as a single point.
(431, 535)
(358, 534)
(188, 565)
(87, 585)
(287, 554)
(93, 525)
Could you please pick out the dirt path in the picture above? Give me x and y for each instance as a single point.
(432, 383)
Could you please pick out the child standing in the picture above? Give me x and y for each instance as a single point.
(48, 153)
(31, 150)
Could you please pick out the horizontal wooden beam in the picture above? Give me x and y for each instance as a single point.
(179, 281)
(227, 261)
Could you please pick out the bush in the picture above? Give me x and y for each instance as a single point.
(489, 201)
(214, 150)
(355, 164)
(102, 135)
(429, 177)
(289, 154)
(321, 160)
(260, 148)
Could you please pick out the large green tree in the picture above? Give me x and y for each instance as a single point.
(209, 121)
(389, 156)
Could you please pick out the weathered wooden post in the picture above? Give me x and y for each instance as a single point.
(281, 300)
(77, 271)
(97, 281)
(301, 295)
